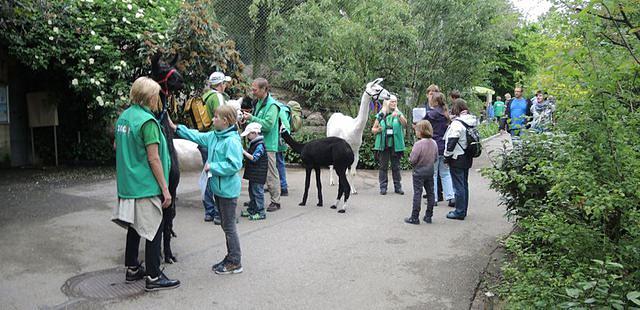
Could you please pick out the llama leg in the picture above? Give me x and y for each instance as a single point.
(356, 159)
(344, 183)
(307, 181)
(352, 189)
(319, 185)
(340, 190)
(331, 181)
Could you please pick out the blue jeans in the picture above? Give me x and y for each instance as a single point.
(256, 198)
(445, 176)
(281, 170)
(460, 178)
(208, 202)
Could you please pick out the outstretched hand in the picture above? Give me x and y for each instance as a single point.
(171, 124)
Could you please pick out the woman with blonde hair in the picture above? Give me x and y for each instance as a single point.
(142, 173)
(389, 143)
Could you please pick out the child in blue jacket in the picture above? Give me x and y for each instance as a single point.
(223, 164)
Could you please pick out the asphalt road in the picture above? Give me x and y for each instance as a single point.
(298, 258)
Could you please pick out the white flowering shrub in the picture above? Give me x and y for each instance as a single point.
(100, 44)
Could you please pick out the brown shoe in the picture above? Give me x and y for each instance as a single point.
(273, 207)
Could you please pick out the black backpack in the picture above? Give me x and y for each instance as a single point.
(474, 147)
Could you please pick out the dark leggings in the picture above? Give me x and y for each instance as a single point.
(151, 251)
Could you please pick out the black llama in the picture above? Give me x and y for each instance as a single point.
(170, 82)
(323, 153)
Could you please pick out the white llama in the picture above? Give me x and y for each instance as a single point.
(350, 129)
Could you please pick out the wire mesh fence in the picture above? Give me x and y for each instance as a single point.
(247, 23)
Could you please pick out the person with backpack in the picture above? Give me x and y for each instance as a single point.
(462, 144)
(291, 120)
(213, 97)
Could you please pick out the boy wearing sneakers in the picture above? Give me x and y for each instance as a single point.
(255, 171)
(423, 156)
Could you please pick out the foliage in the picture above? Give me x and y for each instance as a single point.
(98, 44)
(488, 129)
(203, 49)
(97, 47)
(516, 59)
(327, 50)
(573, 193)
(457, 40)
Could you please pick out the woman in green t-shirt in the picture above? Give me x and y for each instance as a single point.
(389, 144)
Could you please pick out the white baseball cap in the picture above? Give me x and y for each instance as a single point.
(252, 127)
(218, 77)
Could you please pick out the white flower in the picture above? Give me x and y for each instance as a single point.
(97, 47)
(91, 61)
(74, 82)
(56, 30)
(117, 68)
(51, 38)
(102, 80)
(124, 19)
(114, 20)
(123, 63)
(129, 6)
(160, 36)
(100, 101)
(93, 33)
(82, 72)
(140, 10)
(63, 61)
(162, 9)
(97, 83)
(92, 80)
(139, 36)
(138, 15)
(49, 22)
(102, 92)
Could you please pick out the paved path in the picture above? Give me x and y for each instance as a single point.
(299, 258)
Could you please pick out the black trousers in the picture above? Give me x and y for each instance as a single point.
(151, 251)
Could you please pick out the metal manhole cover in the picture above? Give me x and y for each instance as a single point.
(102, 284)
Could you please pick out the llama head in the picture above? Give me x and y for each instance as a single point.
(376, 91)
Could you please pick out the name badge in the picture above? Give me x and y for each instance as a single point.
(389, 131)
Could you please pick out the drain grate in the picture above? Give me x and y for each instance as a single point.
(102, 285)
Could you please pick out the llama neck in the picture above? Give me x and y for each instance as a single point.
(296, 146)
(363, 113)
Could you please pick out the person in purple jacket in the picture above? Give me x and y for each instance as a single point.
(438, 116)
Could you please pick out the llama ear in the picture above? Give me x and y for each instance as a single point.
(175, 60)
(378, 81)
(155, 64)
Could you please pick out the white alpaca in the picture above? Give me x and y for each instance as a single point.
(350, 129)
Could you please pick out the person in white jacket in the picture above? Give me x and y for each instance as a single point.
(457, 158)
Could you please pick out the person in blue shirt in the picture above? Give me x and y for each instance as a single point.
(518, 113)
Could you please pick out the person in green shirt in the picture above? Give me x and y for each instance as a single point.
(267, 114)
(499, 108)
(142, 174)
(389, 130)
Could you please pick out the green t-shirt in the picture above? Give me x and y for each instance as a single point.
(150, 133)
(498, 108)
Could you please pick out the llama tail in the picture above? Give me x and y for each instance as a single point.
(296, 146)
